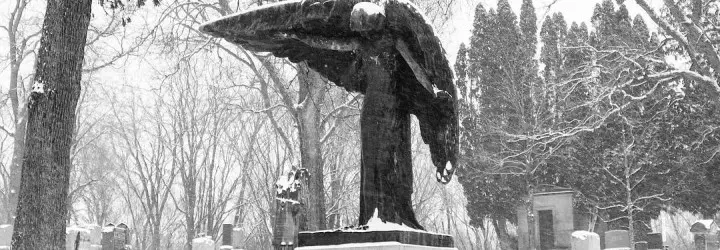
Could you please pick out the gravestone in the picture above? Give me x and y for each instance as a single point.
(122, 236)
(584, 240)
(641, 245)
(237, 238)
(617, 239)
(385, 50)
(227, 233)
(6, 231)
(115, 237)
(655, 241)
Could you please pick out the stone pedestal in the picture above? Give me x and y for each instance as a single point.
(375, 246)
(374, 240)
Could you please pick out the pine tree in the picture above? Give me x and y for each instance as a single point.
(528, 27)
(640, 33)
(560, 26)
(461, 64)
(549, 53)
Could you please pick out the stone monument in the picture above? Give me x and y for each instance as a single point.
(384, 49)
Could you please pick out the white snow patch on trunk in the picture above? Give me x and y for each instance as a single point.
(376, 224)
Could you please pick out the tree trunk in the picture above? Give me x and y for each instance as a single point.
(156, 235)
(310, 98)
(19, 112)
(335, 194)
(386, 179)
(530, 206)
(42, 206)
(16, 163)
(502, 233)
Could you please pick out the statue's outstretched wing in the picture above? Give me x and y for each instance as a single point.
(316, 32)
(320, 33)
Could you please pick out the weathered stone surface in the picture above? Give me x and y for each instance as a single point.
(617, 239)
(641, 245)
(655, 241)
(584, 240)
(5, 234)
(329, 238)
(237, 238)
(227, 230)
(376, 246)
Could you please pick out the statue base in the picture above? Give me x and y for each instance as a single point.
(379, 240)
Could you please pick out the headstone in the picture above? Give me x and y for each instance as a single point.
(237, 238)
(655, 241)
(227, 231)
(127, 231)
(119, 237)
(6, 231)
(617, 239)
(641, 245)
(115, 237)
(203, 243)
(584, 240)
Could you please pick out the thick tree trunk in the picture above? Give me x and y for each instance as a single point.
(42, 206)
(386, 179)
(311, 95)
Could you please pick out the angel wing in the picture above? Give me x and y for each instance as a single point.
(327, 34)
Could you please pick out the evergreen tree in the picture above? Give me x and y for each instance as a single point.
(560, 26)
(528, 26)
(640, 33)
(549, 53)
